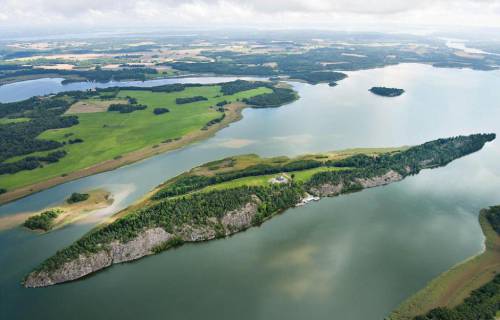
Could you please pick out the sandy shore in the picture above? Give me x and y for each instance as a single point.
(98, 199)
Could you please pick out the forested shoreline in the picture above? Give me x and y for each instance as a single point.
(484, 302)
(175, 207)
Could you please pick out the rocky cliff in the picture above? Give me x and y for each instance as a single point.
(142, 245)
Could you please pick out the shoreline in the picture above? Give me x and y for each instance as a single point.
(99, 199)
(233, 114)
(212, 214)
(452, 286)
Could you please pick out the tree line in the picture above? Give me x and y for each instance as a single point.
(206, 209)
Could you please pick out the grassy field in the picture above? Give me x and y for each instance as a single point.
(298, 176)
(453, 286)
(108, 135)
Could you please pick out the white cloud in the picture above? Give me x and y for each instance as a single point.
(270, 13)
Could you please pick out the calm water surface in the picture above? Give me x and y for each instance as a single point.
(350, 257)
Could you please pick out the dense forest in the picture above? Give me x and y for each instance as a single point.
(207, 208)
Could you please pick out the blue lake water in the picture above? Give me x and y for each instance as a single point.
(351, 257)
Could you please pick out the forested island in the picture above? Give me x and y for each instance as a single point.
(53, 138)
(223, 197)
(386, 92)
(470, 290)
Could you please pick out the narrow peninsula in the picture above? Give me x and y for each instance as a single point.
(387, 92)
(227, 196)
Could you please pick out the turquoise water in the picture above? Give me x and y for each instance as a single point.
(350, 257)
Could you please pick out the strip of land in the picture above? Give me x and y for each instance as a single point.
(451, 288)
(66, 212)
(227, 196)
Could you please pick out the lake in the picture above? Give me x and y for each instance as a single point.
(356, 256)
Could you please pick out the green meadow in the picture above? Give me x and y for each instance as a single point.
(108, 135)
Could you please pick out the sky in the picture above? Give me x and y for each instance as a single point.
(378, 15)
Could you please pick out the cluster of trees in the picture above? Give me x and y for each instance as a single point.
(190, 99)
(30, 162)
(232, 87)
(76, 140)
(387, 92)
(159, 111)
(278, 97)
(125, 108)
(77, 197)
(214, 121)
(42, 221)
(3, 190)
(222, 103)
(483, 304)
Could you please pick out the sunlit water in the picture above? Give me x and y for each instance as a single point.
(350, 257)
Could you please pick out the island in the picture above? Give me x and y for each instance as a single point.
(45, 141)
(227, 196)
(469, 290)
(386, 92)
(74, 208)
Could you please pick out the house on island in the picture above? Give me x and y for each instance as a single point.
(279, 179)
